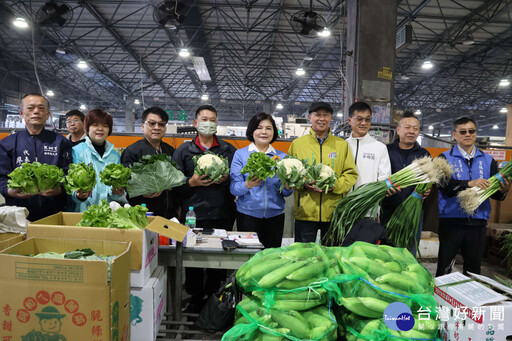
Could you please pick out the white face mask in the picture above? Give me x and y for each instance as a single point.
(207, 128)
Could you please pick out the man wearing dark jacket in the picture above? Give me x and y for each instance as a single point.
(34, 144)
(458, 230)
(213, 203)
(154, 125)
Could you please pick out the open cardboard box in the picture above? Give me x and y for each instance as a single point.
(9, 239)
(475, 308)
(42, 298)
(144, 256)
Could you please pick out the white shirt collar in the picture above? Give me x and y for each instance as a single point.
(466, 155)
(270, 149)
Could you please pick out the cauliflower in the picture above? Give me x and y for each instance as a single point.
(326, 172)
(289, 165)
(209, 160)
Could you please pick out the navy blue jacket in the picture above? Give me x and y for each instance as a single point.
(483, 166)
(47, 147)
(400, 158)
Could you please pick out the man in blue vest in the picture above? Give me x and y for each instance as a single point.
(458, 230)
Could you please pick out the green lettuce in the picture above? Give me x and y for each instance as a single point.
(101, 215)
(153, 174)
(259, 165)
(35, 177)
(80, 177)
(115, 175)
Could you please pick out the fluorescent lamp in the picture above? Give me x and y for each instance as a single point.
(427, 65)
(417, 112)
(50, 93)
(82, 65)
(279, 106)
(300, 72)
(204, 97)
(503, 110)
(201, 69)
(83, 107)
(184, 53)
(20, 22)
(404, 77)
(60, 50)
(504, 82)
(325, 33)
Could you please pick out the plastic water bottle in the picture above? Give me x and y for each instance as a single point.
(190, 218)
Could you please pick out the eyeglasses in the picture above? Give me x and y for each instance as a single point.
(73, 121)
(152, 124)
(464, 131)
(360, 119)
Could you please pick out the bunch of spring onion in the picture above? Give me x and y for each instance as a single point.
(506, 248)
(366, 198)
(402, 227)
(470, 199)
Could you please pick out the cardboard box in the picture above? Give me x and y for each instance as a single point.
(148, 306)
(472, 309)
(9, 239)
(43, 299)
(144, 258)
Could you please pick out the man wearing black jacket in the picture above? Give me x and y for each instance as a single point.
(154, 123)
(213, 203)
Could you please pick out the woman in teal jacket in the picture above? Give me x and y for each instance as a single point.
(96, 150)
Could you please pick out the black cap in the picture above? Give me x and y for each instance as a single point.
(320, 105)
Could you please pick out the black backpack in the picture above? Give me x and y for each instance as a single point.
(218, 314)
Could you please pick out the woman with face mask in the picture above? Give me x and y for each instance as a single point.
(96, 150)
(260, 203)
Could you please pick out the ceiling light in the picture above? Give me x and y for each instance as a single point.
(427, 65)
(50, 93)
(83, 107)
(279, 106)
(430, 127)
(325, 33)
(495, 126)
(82, 65)
(404, 77)
(201, 69)
(184, 53)
(504, 82)
(308, 58)
(503, 110)
(417, 112)
(340, 114)
(60, 50)
(136, 101)
(468, 40)
(20, 22)
(204, 97)
(300, 72)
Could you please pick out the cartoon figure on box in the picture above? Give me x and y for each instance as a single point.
(49, 320)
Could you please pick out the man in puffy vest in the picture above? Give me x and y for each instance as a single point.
(458, 230)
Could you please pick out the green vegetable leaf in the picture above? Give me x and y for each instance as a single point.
(80, 177)
(115, 175)
(259, 165)
(97, 215)
(153, 174)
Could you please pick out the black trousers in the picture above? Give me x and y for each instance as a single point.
(305, 231)
(269, 230)
(200, 282)
(469, 239)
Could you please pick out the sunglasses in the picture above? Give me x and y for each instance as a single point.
(464, 132)
(152, 124)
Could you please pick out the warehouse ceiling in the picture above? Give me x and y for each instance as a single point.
(250, 51)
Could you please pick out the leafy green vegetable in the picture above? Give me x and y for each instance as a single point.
(211, 164)
(35, 177)
(80, 177)
(23, 177)
(259, 165)
(115, 175)
(153, 174)
(102, 215)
